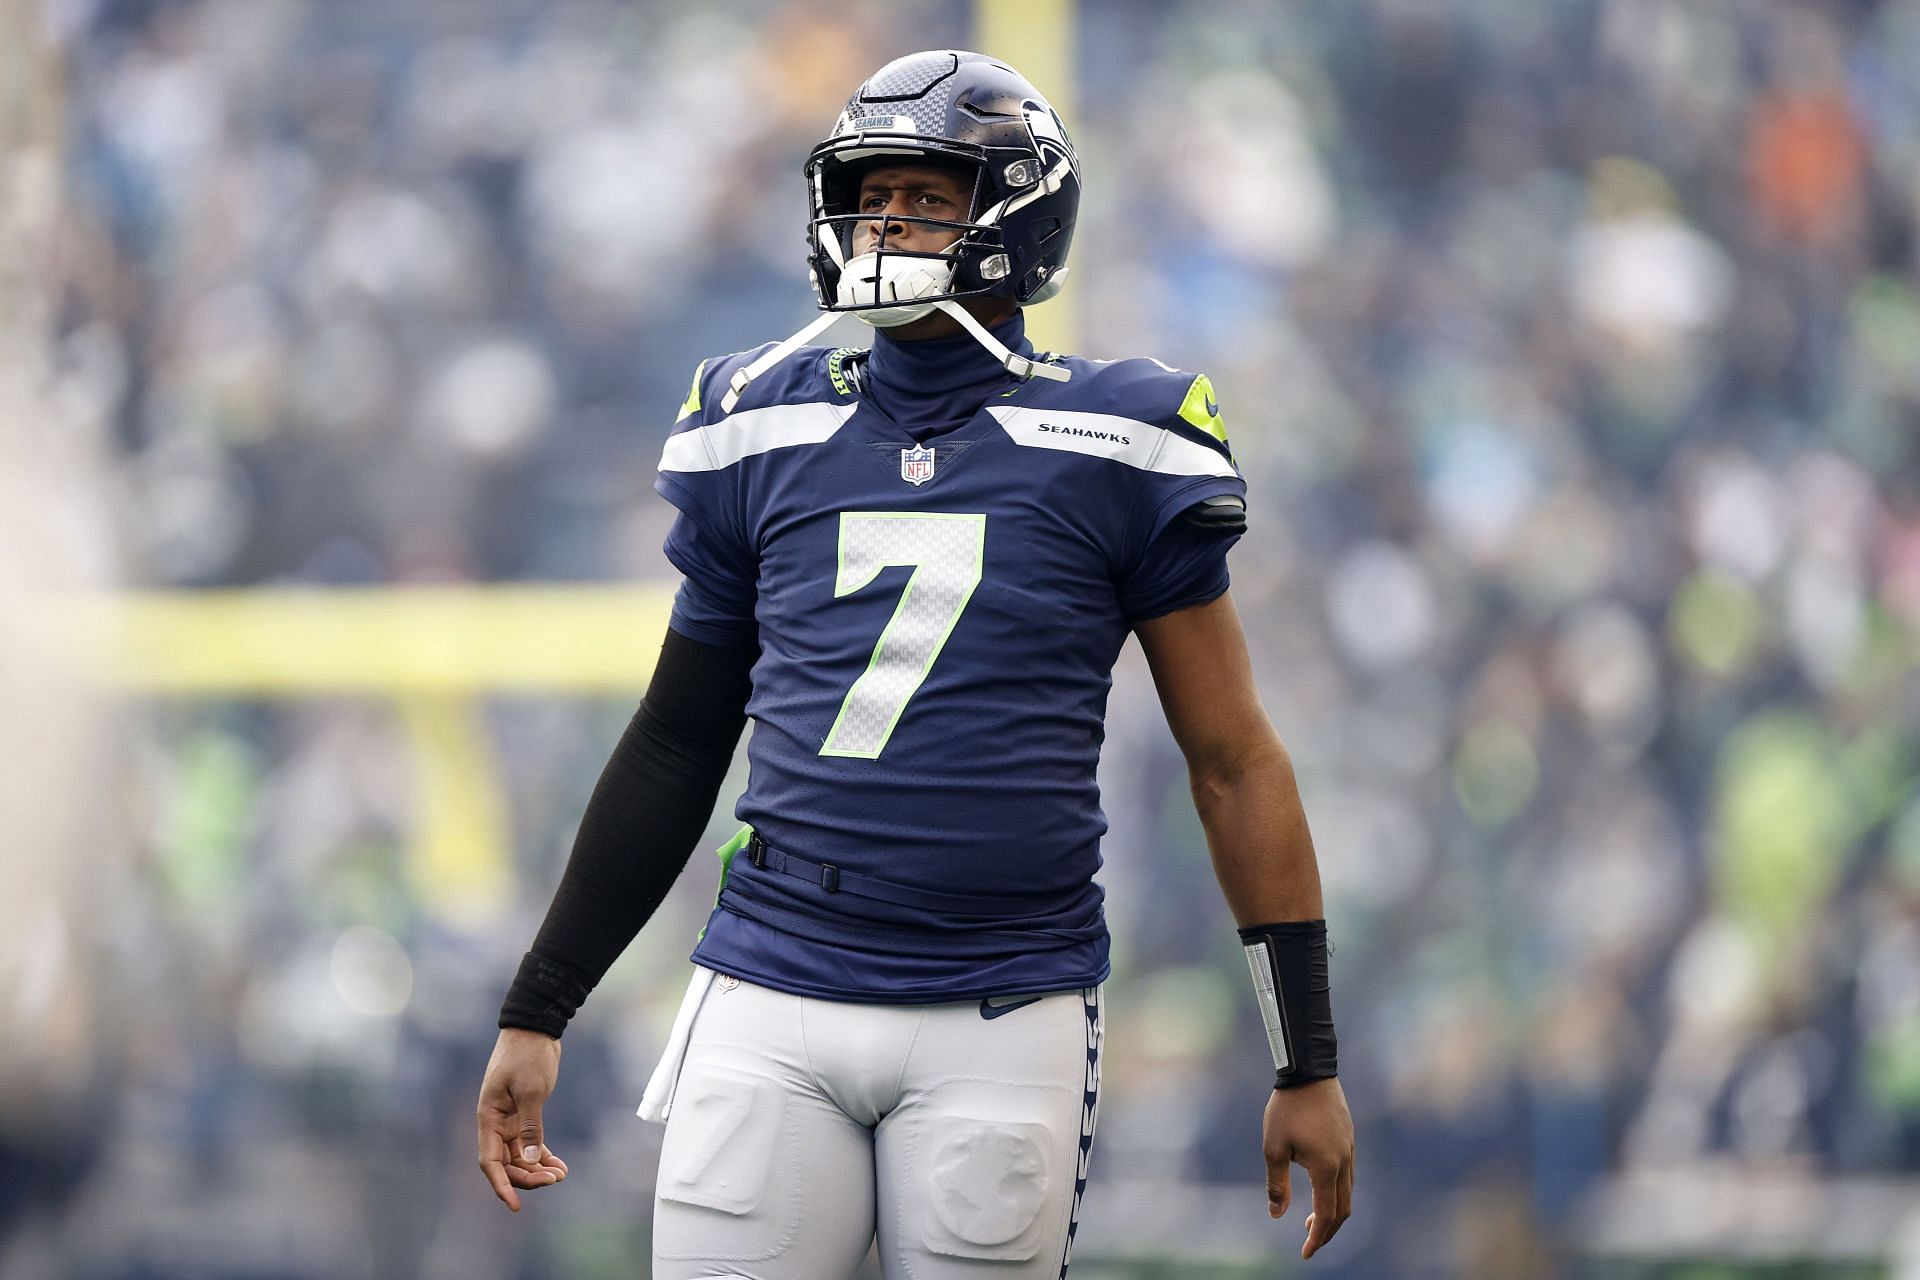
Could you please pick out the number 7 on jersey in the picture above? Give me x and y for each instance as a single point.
(946, 550)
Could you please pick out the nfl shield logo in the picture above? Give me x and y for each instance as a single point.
(916, 465)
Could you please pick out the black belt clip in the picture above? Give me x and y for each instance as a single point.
(760, 855)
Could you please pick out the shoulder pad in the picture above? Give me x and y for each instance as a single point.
(809, 374)
(793, 403)
(1142, 390)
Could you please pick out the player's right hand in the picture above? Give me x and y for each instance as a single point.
(520, 1078)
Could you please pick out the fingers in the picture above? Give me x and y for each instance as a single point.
(1325, 1218)
(1279, 1186)
(550, 1170)
(510, 1174)
(533, 1180)
(493, 1165)
(492, 1148)
(505, 1177)
(1346, 1191)
(1319, 1231)
(528, 1148)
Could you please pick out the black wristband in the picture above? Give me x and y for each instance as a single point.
(1289, 965)
(545, 994)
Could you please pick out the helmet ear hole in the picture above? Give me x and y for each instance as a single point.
(1048, 287)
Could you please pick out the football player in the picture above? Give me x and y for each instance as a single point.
(913, 568)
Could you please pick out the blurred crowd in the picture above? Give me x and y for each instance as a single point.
(1572, 354)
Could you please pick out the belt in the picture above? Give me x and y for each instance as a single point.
(834, 880)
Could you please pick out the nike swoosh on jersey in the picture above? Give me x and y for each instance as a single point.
(994, 1006)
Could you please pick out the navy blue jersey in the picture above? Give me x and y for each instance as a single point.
(937, 624)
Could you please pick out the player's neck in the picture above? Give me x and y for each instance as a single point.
(939, 383)
(942, 365)
(991, 312)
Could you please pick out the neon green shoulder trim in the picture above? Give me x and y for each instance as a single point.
(692, 403)
(1202, 410)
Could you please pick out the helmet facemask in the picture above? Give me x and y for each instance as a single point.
(883, 283)
(887, 286)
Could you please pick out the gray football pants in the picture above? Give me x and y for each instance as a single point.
(802, 1128)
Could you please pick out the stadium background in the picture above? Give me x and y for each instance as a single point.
(1572, 351)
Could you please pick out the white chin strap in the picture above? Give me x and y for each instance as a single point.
(773, 356)
(1017, 365)
(883, 290)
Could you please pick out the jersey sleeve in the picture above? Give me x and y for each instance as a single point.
(714, 604)
(1185, 566)
(1171, 563)
(708, 543)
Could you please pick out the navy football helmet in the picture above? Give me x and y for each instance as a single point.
(961, 109)
(954, 109)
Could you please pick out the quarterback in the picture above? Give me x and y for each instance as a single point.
(913, 568)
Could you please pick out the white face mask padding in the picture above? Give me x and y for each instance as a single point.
(873, 282)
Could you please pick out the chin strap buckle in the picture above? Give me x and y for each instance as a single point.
(1016, 364)
(1021, 367)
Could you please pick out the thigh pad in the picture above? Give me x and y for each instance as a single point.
(990, 1169)
(725, 1139)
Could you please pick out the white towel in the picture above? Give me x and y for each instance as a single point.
(657, 1102)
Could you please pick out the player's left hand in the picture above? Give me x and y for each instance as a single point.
(1309, 1126)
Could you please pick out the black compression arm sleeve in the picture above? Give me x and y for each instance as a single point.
(647, 811)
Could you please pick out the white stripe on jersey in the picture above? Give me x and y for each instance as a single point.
(719, 445)
(1106, 435)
